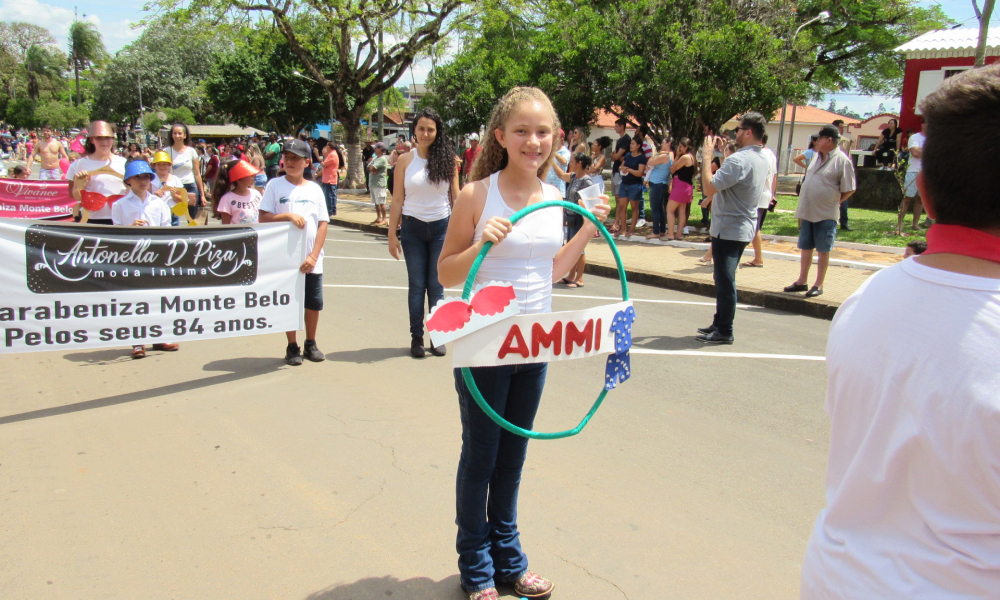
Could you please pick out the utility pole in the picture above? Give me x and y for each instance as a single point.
(142, 120)
(381, 114)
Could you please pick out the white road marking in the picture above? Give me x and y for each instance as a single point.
(362, 258)
(612, 298)
(635, 350)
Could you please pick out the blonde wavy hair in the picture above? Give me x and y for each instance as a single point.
(493, 156)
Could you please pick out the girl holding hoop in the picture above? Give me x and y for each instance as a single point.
(427, 181)
(518, 150)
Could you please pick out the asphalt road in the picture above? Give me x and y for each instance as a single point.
(219, 472)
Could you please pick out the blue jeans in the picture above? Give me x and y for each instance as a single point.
(192, 190)
(658, 204)
(422, 242)
(489, 473)
(726, 255)
(330, 191)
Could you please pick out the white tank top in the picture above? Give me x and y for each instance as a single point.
(524, 258)
(424, 200)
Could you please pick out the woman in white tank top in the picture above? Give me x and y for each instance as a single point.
(426, 181)
(517, 150)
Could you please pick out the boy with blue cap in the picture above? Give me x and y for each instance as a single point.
(138, 209)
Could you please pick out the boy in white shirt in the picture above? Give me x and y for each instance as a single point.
(296, 199)
(912, 485)
(140, 208)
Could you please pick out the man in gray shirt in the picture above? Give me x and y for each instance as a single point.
(829, 181)
(737, 187)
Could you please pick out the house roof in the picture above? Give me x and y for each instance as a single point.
(810, 115)
(395, 116)
(942, 43)
(221, 131)
(604, 120)
(879, 116)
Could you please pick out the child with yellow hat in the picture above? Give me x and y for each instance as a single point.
(165, 179)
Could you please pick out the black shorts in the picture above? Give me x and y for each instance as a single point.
(761, 215)
(314, 291)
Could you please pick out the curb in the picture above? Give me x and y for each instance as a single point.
(819, 308)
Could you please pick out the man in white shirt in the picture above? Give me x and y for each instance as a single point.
(912, 485)
(766, 197)
(296, 199)
(910, 191)
(828, 182)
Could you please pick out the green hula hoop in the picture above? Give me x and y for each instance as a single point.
(467, 293)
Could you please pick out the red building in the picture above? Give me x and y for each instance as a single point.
(934, 57)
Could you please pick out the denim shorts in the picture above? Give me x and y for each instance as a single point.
(260, 179)
(314, 291)
(632, 191)
(818, 236)
(910, 185)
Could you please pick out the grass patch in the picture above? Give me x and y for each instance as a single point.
(876, 227)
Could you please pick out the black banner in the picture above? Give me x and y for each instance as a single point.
(66, 259)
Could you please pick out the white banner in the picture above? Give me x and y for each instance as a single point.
(543, 338)
(69, 286)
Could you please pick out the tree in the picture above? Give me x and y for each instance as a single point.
(497, 58)
(171, 61)
(984, 16)
(15, 40)
(61, 115)
(44, 69)
(669, 65)
(254, 84)
(350, 29)
(855, 48)
(85, 49)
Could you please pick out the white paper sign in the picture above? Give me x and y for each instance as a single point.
(547, 337)
(67, 286)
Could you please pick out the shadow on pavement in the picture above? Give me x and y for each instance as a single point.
(366, 356)
(104, 357)
(666, 342)
(380, 588)
(236, 369)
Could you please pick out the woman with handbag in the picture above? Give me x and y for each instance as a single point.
(426, 185)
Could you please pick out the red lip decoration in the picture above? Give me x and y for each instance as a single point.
(488, 301)
(94, 201)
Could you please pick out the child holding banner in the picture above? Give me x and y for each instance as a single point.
(517, 151)
(296, 199)
(142, 208)
(106, 187)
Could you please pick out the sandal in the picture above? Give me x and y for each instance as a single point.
(564, 281)
(752, 264)
(572, 285)
(579, 284)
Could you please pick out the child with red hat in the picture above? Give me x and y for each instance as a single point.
(239, 202)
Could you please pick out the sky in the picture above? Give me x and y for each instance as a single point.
(115, 20)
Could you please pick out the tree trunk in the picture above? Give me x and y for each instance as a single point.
(355, 164)
(984, 29)
(76, 72)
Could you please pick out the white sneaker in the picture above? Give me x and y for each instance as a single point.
(687, 230)
(640, 223)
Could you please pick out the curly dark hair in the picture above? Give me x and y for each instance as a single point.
(441, 155)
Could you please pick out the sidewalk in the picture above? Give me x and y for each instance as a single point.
(674, 265)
